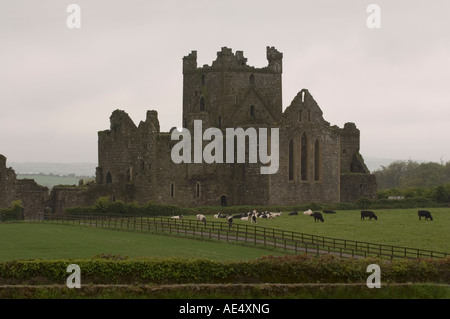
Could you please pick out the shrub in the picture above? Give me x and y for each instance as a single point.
(104, 206)
(15, 212)
(105, 269)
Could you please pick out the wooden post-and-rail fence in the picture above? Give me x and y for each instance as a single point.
(277, 238)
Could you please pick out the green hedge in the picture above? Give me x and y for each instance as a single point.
(286, 269)
(13, 213)
(104, 206)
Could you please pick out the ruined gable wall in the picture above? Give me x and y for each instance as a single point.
(356, 180)
(32, 195)
(8, 182)
(310, 185)
(309, 155)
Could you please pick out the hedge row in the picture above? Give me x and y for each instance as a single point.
(104, 206)
(118, 208)
(13, 213)
(286, 269)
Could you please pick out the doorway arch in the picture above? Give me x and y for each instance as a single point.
(223, 200)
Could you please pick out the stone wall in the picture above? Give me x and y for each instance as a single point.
(8, 181)
(32, 195)
(354, 186)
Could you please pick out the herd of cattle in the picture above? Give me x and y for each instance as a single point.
(254, 215)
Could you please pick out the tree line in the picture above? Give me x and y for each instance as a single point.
(414, 179)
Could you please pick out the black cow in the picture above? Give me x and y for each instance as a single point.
(368, 213)
(329, 212)
(317, 216)
(424, 213)
(293, 213)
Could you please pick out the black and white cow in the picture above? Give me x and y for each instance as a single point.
(229, 220)
(202, 218)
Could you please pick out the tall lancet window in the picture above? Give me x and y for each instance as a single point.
(317, 162)
(304, 158)
(202, 104)
(291, 160)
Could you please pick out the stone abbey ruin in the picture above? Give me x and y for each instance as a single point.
(317, 162)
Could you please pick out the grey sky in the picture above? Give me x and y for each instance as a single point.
(58, 86)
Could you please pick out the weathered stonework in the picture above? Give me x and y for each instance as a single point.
(318, 162)
(32, 195)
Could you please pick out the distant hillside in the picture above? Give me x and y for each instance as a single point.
(58, 169)
(52, 180)
(88, 169)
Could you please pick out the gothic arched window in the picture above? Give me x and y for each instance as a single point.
(304, 158)
(108, 178)
(317, 161)
(202, 104)
(291, 160)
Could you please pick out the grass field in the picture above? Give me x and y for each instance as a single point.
(23, 241)
(393, 227)
(397, 227)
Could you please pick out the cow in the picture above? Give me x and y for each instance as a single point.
(229, 220)
(201, 218)
(308, 212)
(368, 213)
(329, 212)
(293, 213)
(424, 213)
(317, 216)
(177, 217)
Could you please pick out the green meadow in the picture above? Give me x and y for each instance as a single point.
(396, 227)
(393, 227)
(23, 241)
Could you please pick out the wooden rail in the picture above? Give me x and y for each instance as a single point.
(277, 238)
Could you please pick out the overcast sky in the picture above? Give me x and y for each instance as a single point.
(58, 86)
